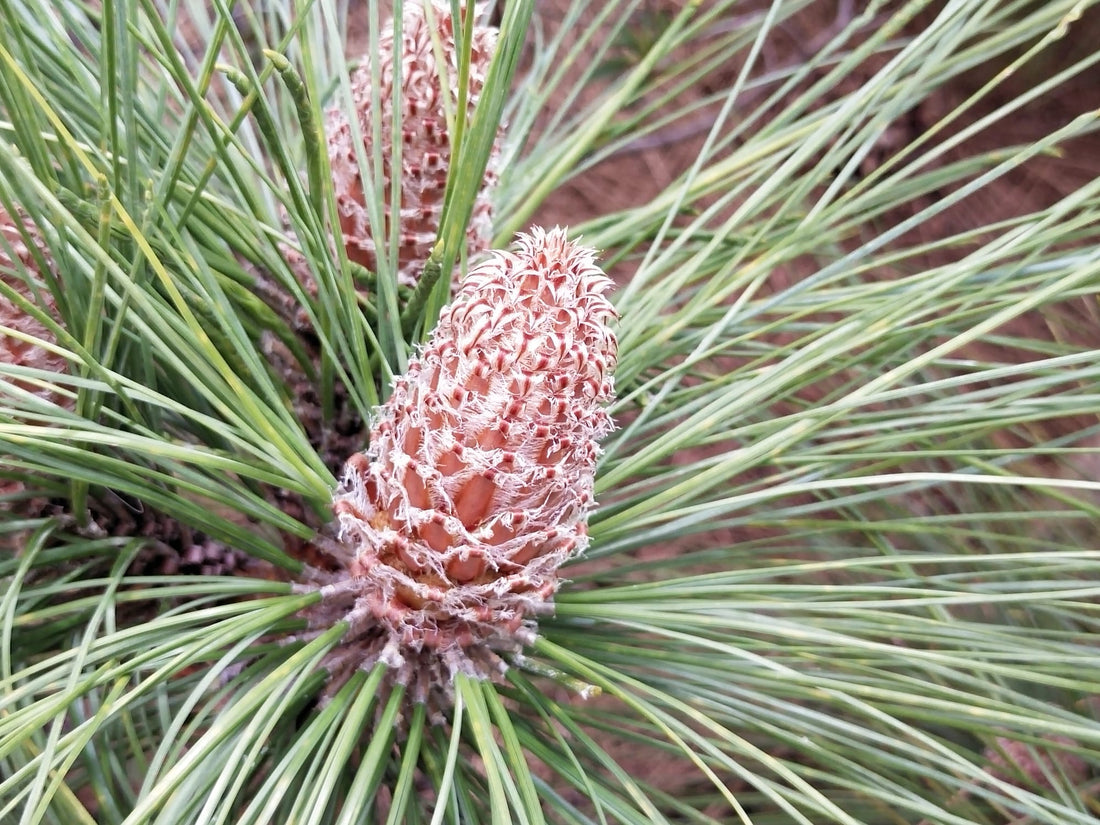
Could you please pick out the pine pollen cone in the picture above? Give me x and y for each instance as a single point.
(425, 154)
(478, 480)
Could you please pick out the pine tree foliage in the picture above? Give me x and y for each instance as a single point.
(842, 566)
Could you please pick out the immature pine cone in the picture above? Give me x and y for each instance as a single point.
(1021, 764)
(426, 147)
(14, 350)
(18, 351)
(478, 480)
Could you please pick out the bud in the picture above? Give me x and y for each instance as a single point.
(426, 147)
(478, 480)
